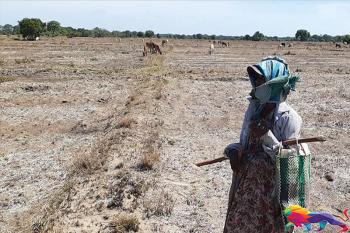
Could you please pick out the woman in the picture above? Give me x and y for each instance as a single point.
(254, 201)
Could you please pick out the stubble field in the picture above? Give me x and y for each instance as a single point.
(97, 138)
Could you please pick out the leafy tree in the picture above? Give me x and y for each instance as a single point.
(149, 33)
(258, 36)
(327, 38)
(316, 38)
(246, 37)
(140, 34)
(127, 33)
(346, 39)
(16, 30)
(100, 32)
(199, 36)
(84, 32)
(31, 28)
(7, 29)
(302, 35)
(69, 32)
(53, 27)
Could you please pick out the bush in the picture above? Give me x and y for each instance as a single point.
(158, 203)
(125, 223)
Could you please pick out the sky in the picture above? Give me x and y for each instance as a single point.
(235, 18)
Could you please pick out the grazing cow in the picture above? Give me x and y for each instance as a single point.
(152, 48)
(345, 42)
(211, 49)
(224, 44)
(144, 52)
(37, 38)
(283, 44)
(338, 45)
(164, 42)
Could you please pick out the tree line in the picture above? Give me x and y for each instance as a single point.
(30, 28)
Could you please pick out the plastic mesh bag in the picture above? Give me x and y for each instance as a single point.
(293, 168)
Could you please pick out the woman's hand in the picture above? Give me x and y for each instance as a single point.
(233, 152)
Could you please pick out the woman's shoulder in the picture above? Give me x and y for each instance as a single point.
(286, 112)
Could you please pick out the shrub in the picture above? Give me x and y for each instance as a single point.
(158, 203)
(124, 223)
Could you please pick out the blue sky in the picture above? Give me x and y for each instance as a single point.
(282, 18)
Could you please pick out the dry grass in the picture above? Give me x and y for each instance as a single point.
(126, 122)
(158, 94)
(86, 162)
(151, 154)
(157, 60)
(289, 53)
(159, 203)
(148, 160)
(24, 60)
(124, 223)
(2, 61)
(40, 218)
(6, 79)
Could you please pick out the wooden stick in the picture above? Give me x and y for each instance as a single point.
(284, 143)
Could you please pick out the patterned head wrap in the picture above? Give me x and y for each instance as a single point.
(278, 80)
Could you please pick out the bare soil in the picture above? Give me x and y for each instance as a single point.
(97, 138)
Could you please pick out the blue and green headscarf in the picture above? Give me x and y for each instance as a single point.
(278, 80)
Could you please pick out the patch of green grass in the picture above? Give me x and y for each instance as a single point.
(6, 79)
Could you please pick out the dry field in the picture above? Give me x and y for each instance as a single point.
(96, 138)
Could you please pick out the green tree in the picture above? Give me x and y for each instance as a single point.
(199, 36)
(149, 33)
(53, 27)
(16, 30)
(127, 33)
(7, 29)
(100, 32)
(246, 37)
(84, 32)
(346, 39)
(302, 35)
(258, 36)
(140, 34)
(31, 28)
(316, 38)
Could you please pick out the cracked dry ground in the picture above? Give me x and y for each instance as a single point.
(96, 138)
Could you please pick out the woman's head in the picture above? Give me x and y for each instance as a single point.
(271, 80)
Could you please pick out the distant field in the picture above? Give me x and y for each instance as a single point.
(98, 138)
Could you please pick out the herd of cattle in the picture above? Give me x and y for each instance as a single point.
(153, 48)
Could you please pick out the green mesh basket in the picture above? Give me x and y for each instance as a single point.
(293, 177)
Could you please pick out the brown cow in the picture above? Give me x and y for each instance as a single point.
(152, 48)
(164, 42)
(224, 44)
